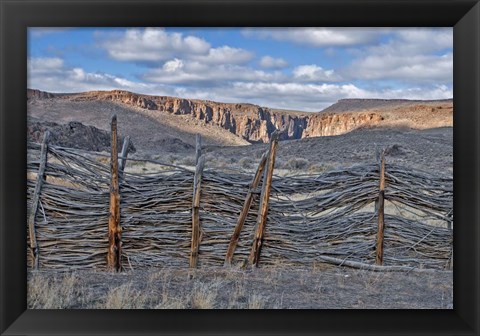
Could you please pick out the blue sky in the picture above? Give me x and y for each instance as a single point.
(292, 68)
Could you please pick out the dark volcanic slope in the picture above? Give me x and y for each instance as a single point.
(74, 135)
(430, 150)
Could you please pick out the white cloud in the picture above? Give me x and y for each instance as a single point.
(318, 37)
(315, 97)
(151, 45)
(189, 72)
(52, 75)
(416, 68)
(305, 97)
(173, 65)
(422, 40)
(412, 54)
(270, 62)
(314, 73)
(224, 55)
(44, 65)
(155, 45)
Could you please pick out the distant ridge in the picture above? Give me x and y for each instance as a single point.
(356, 104)
(234, 123)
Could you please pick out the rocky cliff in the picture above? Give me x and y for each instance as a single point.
(252, 122)
(38, 94)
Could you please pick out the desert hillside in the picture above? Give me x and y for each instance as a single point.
(155, 121)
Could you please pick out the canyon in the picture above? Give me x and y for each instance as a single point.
(254, 124)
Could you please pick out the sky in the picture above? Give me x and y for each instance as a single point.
(304, 69)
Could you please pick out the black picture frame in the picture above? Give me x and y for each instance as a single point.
(16, 16)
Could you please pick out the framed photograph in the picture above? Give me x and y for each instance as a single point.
(208, 167)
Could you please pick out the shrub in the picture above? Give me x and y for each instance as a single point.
(319, 168)
(296, 163)
(245, 162)
(189, 161)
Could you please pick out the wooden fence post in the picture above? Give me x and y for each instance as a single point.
(199, 164)
(198, 148)
(196, 212)
(243, 213)
(36, 199)
(114, 256)
(123, 156)
(264, 197)
(380, 213)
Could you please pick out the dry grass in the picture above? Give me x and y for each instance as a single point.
(265, 288)
(256, 301)
(203, 295)
(61, 292)
(124, 297)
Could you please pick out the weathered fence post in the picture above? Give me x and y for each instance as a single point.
(198, 148)
(36, 199)
(123, 156)
(114, 256)
(243, 213)
(199, 164)
(196, 212)
(380, 213)
(264, 197)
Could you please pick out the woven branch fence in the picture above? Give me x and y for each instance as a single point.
(332, 217)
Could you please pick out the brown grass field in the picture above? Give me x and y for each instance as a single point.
(278, 287)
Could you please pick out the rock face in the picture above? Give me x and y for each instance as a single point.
(120, 96)
(31, 93)
(252, 122)
(334, 124)
(73, 135)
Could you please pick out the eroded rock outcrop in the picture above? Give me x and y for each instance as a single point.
(256, 124)
(32, 93)
(74, 135)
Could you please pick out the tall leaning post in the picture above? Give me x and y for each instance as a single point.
(122, 161)
(196, 237)
(36, 199)
(264, 198)
(244, 212)
(380, 214)
(197, 179)
(198, 148)
(114, 255)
